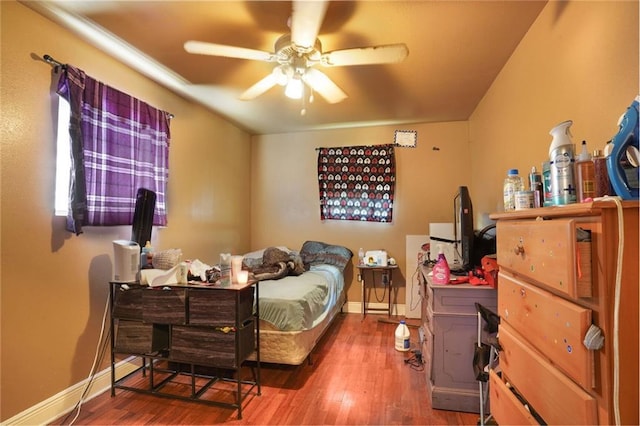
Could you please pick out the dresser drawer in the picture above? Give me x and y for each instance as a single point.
(164, 306)
(546, 251)
(553, 395)
(217, 307)
(127, 303)
(553, 325)
(213, 346)
(506, 408)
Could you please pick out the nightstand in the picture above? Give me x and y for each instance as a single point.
(386, 278)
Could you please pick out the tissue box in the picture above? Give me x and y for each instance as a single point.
(375, 258)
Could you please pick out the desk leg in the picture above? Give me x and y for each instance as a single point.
(362, 282)
(390, 280)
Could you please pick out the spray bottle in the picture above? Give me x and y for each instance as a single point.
(562, 160)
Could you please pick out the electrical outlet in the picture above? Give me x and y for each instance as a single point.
(385, 278)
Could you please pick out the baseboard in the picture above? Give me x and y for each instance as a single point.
(63, 402)
(356, 308)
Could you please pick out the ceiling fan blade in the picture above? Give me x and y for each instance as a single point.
(259, 88)
(385, 54)
(322, 84)
(305, 22)
(203, 48)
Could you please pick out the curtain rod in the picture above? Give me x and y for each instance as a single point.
(57, 65)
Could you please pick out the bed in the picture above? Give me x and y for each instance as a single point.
(297, 306)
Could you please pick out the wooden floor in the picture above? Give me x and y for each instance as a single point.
(356, 378)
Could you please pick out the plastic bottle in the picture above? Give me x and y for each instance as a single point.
(441, 271)
(146, 256)
(403, 337)
(561, 157)
(602, 184)
(585, 174)
(546, 184)
(512, 184)
(361, 256)
(535, 185)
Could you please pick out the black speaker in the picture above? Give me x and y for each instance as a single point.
(143, 216)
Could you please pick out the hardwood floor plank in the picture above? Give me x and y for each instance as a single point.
(357, 377)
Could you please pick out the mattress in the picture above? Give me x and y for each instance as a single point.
(295, 311)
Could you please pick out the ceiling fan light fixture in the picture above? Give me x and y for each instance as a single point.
(294, 87)
(281, 76)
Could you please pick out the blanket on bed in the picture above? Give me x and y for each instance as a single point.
(276, 264)
(299, 303)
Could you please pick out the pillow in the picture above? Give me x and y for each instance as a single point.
(166, 259)
(316, 253)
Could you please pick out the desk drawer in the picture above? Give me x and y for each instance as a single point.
(506, 408)
(460, 299)
(555, 326)
(553, 395)
(542, 251)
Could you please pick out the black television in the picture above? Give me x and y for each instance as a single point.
(464, 235)
(143, 216)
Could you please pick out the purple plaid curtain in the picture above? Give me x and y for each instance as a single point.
(118, 144)
(357, 183)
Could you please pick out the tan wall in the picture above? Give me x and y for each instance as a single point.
(285, 205)
(54, 284)
(579, 62)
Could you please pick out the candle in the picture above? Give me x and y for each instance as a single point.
(243, 277)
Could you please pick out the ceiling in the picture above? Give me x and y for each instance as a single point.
(456, 49)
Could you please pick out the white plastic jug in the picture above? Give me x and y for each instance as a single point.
(403, 337)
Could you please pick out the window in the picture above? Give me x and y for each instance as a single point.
(117, 144)
(357, 183)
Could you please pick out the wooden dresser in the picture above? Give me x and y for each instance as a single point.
(558, 268)
(448, 335)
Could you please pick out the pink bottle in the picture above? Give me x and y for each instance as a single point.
(441, 271)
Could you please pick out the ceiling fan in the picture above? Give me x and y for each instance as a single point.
(299, 52)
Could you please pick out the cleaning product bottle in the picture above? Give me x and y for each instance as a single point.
(441, 271)
(403, 337)
(585, 174)
(602, 184)
(535, 185)
(512, 184)
(561, 157)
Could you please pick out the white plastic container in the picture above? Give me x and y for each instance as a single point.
(403, 337)
(512, 184)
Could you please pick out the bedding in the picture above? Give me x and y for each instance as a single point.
(296, 309)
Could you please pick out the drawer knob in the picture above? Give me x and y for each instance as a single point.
(519, 249)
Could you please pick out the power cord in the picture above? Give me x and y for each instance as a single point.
(415, 362)
(616, 308)
(97, 360)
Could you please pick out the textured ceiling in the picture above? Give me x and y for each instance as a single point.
(456, 49)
